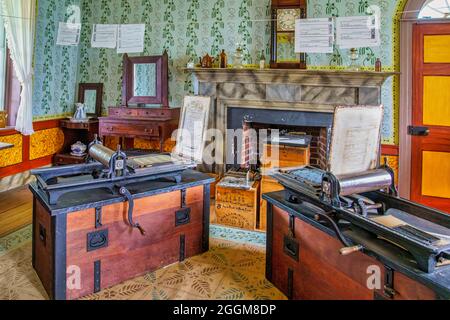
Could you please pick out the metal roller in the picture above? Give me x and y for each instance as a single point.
(101, 153)
(365, 182)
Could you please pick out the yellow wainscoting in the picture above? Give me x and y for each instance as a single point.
(435, 174)
(45, 143)
(437, 49)
(436, 101)
(13, 155)
(169, 145)
(392, 162)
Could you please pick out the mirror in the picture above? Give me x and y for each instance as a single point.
(91, 95)
(144, 80)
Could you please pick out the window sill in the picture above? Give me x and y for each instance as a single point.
(7, 131)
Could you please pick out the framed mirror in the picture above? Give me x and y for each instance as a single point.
(91, 95)
(284, 15)
(145, 80)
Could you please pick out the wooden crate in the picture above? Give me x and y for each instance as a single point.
(289, 157)
(238, 208)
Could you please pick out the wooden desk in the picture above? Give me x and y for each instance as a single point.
(4, 146)
(156, 124)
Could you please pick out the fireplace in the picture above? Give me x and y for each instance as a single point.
(247, 149)
(283, 99)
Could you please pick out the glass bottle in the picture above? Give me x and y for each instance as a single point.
(223, 60)
(262, 61)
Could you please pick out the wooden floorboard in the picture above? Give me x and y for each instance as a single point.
(16, 210)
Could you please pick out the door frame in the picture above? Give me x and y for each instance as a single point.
(410, 17)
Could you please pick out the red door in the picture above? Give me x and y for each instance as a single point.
(431, 116)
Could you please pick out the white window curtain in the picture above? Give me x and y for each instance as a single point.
(19, 17)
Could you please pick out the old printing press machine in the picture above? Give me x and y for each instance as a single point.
(358, 193)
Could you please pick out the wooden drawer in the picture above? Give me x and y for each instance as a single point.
(154, 113)
(129, 129)
(144, 113)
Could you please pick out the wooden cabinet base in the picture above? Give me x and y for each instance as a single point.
(85, 251)
(304, 262)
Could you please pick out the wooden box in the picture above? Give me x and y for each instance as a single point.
(86, 244)
(289, 157)
(304, 262)
(238, 208)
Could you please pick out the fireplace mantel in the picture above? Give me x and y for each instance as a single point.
(293, 76)
(302, 98)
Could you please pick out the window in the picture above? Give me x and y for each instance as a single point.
(436, 9)
(3, 58)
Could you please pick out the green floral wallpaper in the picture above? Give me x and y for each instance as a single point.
(55, 67)
(189, 29)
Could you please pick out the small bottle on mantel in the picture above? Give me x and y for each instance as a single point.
(378, 65)
(223, 60)
(262, 61)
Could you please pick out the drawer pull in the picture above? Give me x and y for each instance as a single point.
(42, 234)
(291, 248)
(183, 217)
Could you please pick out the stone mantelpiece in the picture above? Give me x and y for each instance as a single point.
(293, 97)
(294, 76)
(303, 86)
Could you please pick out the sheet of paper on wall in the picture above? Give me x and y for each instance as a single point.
(131, 38)
(358, 32)
(104, 36)
(68, 34)
(314, 35)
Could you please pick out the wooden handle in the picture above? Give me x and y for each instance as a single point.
(349, 250)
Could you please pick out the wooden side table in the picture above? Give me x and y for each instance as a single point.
(73, 132)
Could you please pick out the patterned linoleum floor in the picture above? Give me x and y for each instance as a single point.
(233, 269)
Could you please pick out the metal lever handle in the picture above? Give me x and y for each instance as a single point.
(124, 191)
(349, 250)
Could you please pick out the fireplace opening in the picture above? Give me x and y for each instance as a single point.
(249, 151)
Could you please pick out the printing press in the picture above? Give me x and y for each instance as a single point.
(114, 170)
(109, 169)
(357, 191)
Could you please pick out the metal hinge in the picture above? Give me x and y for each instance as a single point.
(183, 198)
(182, 248)
(389, 290)
(292, 226)
(98, 218)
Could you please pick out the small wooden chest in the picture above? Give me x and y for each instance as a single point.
(85, 243)
(304, 262)
(238, 208)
